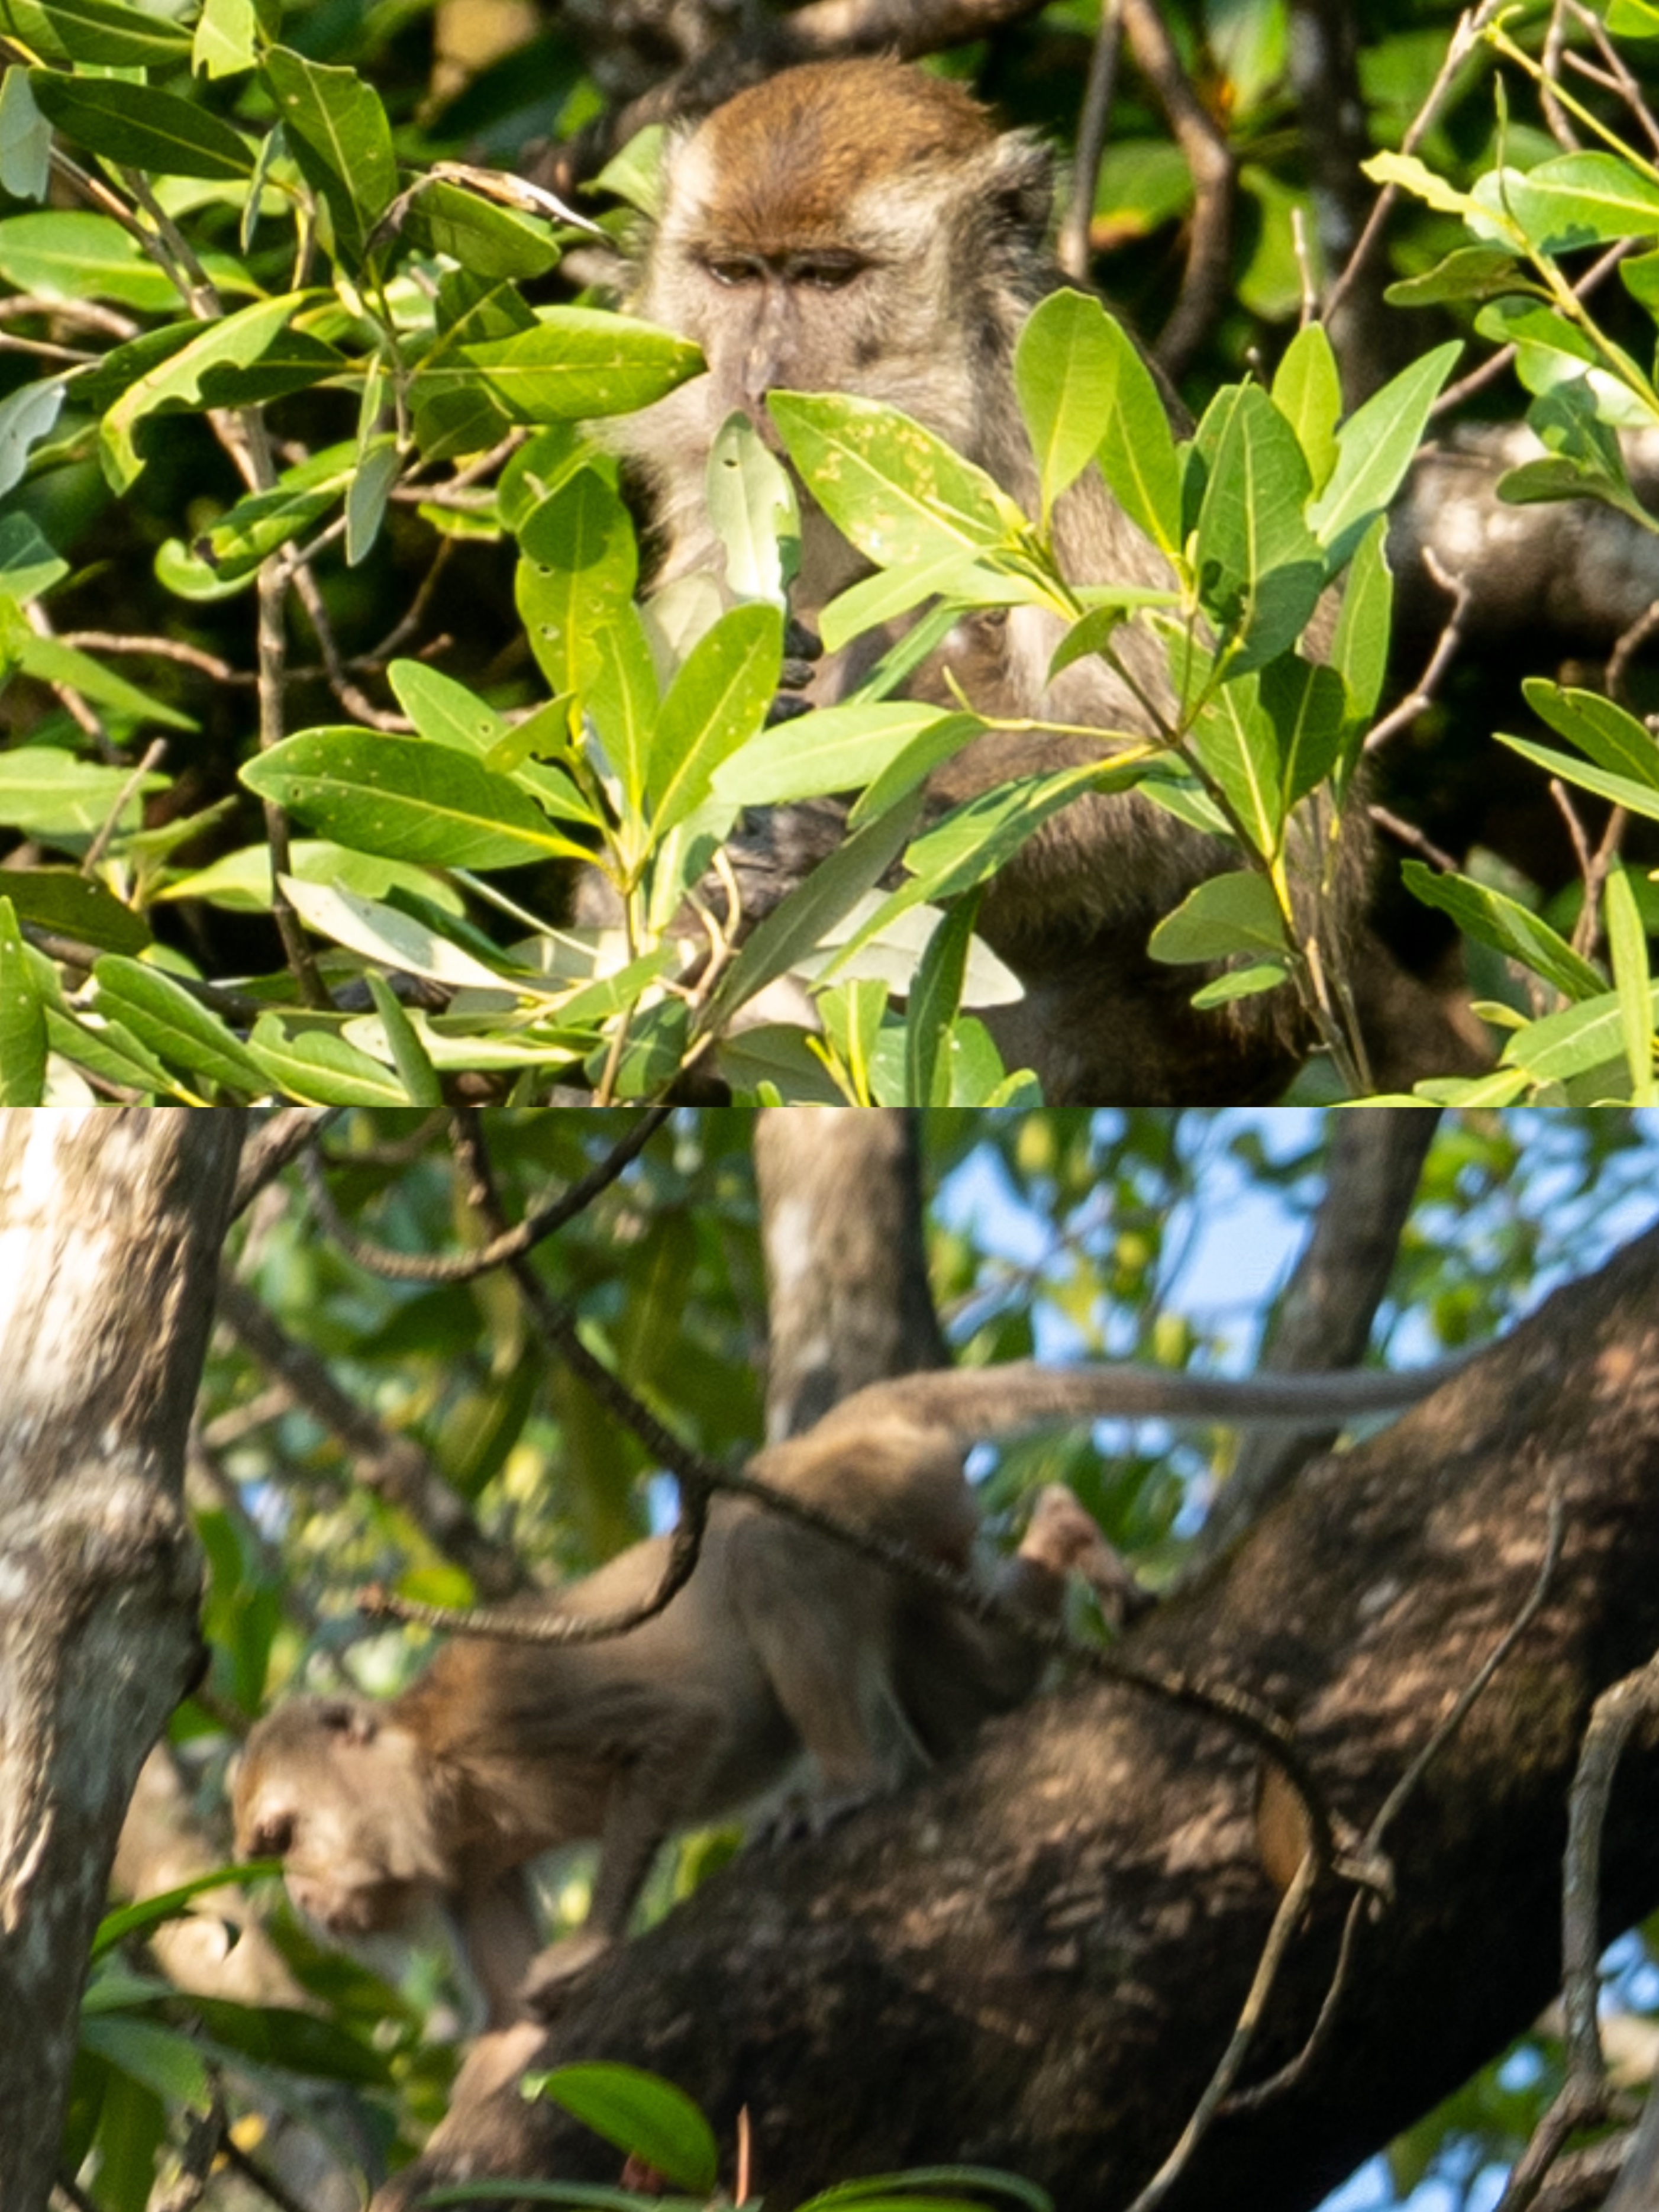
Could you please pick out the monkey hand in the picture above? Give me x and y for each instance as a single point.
(802, 650)
(549, 1977)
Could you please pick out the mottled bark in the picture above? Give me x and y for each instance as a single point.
(846, 1268)
(1036, 1959)
(110, 1226)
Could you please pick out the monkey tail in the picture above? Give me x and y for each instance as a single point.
(968, 1402)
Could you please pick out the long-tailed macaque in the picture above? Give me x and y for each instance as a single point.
(783, 1643)
(861, 226)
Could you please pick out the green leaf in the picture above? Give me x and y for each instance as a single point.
(145, 129)
(1622, 790)
(378, 468)
(233, 547)
(1259, 568)
(1307, 392)
(801, 922)
(150, 1913)
(1137, 452)
(49, 793)
(1307, 705)
(24, 140)
(1503, 923)
(933, 1002)
(1615, 740)
(1414, 176)
(1374, 449)
(26, 416)
(1633, 19)
(1573, 200)
(28, 566)
(384, 937)
(1472, 272)
(642, 2115)
(986, 2180)
(22, 1018)
(445, 712)
(487, 240)
(225, 41)
(1108, 607)
(622, 701)
(110, 1050)
(70, 253)
(835, 749)
(320, 1068)
(72, 905)
(336, 130)
(164, 2061)
(718, 700)
(578, 571)
(1359, 644)
(1224, 915)
(1066, 368)
(409, 1056)
(895, 490)
(1627, 942)
(1234, 739)
(102, 31)
(753, 511)
(406, 800)
(580, 362)
(1577, 1041)
(162, 1014)
(240, 882)
(235, 340)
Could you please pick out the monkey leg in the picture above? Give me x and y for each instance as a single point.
(822, 1623)
(496, 1924)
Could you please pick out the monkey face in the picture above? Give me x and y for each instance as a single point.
(335, 1793)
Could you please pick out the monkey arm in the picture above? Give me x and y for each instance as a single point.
(495, 1926)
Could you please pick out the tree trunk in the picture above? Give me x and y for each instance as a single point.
(110, 1224)
(848, 1298)
(1034, 1960)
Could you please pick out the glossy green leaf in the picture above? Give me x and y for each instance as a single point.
(72, 905)
(622, 701)
(240, 882)
(1572, 200)
(1067, 366)
(236, 340)
(144, 128)
(48, 792)
(379, 465)
(580, 362)
(1627, 946)
(109, 1050)
(408, 1055)
(1225, 916)
(835, 749)
(104, 32)
(1577, 1042)
(175, 1026)
(1137, 452)
(1375, 448)
(895, 490)
(71, 253)
(1259, 566)
(1359, 643)
(933, 1006)
(1471, 272)
(489, 241)
(336, 129)
(640, 2114)
(22, 1018)
(1307, 705)
(1503, 923)
(384, 937)
(406, 800)
(25, 139)
(27, 416)
(753, 511)
(1234, 739)
(445, 712)
(225, 40)
(1307, 392)
(1599, 726)
(1622, 790)
(28, 566)
(717, 701)
(578, 571)
(319, 1067)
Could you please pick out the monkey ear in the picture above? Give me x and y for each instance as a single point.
(1019, 184)
(348, 1721)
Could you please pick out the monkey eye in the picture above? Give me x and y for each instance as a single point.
(274, 1836)
(830, 272)
(732, 269)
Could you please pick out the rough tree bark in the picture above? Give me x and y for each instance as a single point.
(110, 1228)
(1036, 1959)
(848, 1300)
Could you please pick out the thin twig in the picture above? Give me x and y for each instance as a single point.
(1489, 370)
(275, 1144)
(1446, 652)
(164, 649)
(1071, 246)
(1555, 114)
(154, 753)
(273, 651)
